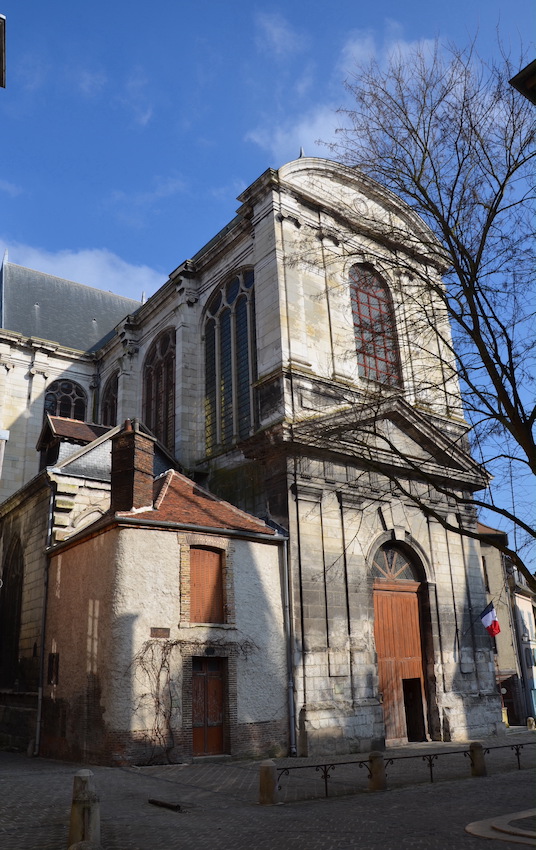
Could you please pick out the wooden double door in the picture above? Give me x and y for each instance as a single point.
(208, 688)
(397, 632)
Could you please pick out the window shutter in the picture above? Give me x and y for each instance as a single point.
(206, 586)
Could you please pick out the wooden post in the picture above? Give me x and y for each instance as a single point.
(268, 790)
(377, 780)
(85, 810)
(478, 762)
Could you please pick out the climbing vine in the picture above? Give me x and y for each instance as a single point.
(153, 663)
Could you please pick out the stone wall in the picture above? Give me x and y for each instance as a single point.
(131, 646)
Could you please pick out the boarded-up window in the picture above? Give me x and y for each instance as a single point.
(206, 586)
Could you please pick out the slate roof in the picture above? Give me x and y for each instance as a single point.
(178, 499)
(40, 305)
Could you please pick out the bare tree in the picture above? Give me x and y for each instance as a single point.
(446, 132)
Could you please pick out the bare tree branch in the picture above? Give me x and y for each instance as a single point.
(445, 132)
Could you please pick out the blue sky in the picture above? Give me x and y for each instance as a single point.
(128, 129)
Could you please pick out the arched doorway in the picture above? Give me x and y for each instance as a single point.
(397, 632)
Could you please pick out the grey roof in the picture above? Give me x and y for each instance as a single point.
(40, 305)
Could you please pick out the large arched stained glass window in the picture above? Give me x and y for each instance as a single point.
(67, 399)
(374, 326)
(230, 362)
(109, 400)
(159, 389)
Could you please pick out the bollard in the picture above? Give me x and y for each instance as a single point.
(268, 790)
(377, 779)
(85, 811)
(478, 762)
(531, 724)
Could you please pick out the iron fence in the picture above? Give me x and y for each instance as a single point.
(431, 759)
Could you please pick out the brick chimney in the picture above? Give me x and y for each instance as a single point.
(132, 468)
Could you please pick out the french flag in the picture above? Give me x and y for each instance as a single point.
(489, 620)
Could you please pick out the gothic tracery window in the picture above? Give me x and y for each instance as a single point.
(374, 326)
(159, 389)
(109, 400)
(230, 362)
(67, 399)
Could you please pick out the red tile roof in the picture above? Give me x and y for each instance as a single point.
(178, 499)
(56, 427)
(73, 429)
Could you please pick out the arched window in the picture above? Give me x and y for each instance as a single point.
(10, 612)
(159, 389)
(374, 326)
(109, 400)
(230, 362)
(66, 399)
(390, 563)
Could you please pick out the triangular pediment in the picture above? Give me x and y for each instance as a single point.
(393, 434)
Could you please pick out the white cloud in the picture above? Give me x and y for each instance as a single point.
(96, 267)
(359, 47)
(132, 207)
(90, 83)
(284, 142)
(276, 37)
(136, 99)
(10, 189)
(32, 72)
(362, 46)
(284, 138)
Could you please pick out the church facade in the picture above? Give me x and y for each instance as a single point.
(299, 366)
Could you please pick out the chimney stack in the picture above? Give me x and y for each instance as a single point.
(132, 468)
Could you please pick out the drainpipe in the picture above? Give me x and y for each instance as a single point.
(52, 486)
(289, 643)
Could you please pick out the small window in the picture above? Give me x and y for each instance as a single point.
(53, 668)
(206, 586)
(66, 399)
(374, 326)
(485, 571)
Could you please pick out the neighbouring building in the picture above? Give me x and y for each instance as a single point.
(298, 367)
(515, 645)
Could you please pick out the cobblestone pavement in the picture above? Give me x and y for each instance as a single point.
(219, 809)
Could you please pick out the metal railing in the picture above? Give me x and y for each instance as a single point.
(476, 751)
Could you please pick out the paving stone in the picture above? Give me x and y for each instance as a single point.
(219, 809)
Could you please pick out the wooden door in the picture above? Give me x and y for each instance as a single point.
(207, 705)
(397, 632)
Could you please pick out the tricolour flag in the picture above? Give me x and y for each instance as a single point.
(489, 620)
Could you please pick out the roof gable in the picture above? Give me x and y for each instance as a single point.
(391, 434)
